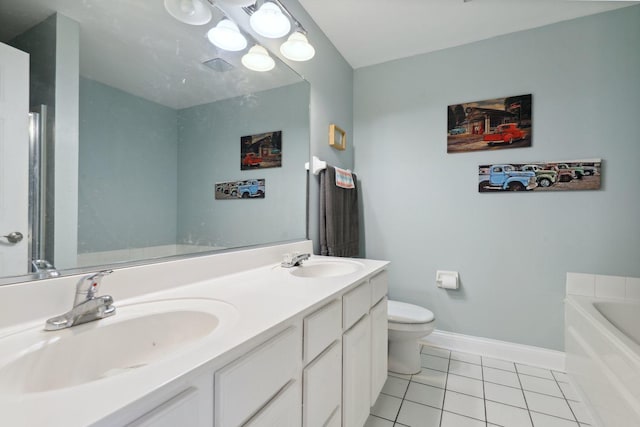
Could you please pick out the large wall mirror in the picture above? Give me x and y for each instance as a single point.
(136, 118)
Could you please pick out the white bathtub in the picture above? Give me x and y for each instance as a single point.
(602, 343)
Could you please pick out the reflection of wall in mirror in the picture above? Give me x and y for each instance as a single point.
(158, 191)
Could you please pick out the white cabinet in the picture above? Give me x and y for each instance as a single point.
(283, 410)
(244, 386)
(322, 376)
(355, 304)
(356, 375)
(182, 410)
(321, 329)
(364, 348)
(379, 348)
(322, 387)
(323, 369)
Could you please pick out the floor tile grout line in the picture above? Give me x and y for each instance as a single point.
(444, 395)
(566, 400)
(484, 395)
(395, 420)
(524, 395)
(555, 416)
(493, 382)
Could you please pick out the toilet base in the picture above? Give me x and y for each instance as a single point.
(404, 357)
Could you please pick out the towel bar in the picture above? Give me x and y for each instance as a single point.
(317, 166)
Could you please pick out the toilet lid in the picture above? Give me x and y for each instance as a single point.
(402, 312)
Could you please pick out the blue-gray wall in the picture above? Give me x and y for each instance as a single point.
(127, 171)
(209, 152)
(422, 209)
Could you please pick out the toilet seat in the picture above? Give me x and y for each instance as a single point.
(404, 313)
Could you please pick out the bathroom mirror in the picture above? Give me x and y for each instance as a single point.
(140, 116)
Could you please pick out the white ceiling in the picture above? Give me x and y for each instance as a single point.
(375, 31)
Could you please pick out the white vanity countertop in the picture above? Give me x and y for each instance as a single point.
(264, 298)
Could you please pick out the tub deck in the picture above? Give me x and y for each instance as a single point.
(604, 361)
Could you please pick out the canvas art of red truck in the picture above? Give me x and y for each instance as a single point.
(504, 134)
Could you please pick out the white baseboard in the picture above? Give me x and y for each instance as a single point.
(526, 354)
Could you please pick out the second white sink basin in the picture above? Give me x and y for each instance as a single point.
(326, 268)
(136, 336)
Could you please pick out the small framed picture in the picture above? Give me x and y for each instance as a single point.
(337, 137)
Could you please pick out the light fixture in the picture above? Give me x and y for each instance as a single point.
(241, 3)
(192, 12)
(258, 59)
(297, 48)
(269, 21)
(226, 35)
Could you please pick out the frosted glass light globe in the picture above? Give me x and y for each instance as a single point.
(269, 21)
(226, 35)
(192, 12)
(258, 59)
(297, 48)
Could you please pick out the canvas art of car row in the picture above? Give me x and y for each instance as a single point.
(259, 151)
(544, 176)
(500, 123)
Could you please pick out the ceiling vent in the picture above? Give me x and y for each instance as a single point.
(219, 65)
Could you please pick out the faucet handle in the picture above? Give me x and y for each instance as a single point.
(88, 287)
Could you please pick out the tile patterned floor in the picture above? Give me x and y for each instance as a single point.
(466, 390)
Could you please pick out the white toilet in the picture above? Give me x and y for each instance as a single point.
(407, 323)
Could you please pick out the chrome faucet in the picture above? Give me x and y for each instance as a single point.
(294, 260)
(43, 269)
(87, 306)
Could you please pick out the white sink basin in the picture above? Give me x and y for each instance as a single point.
(137, 335)
(325, 268)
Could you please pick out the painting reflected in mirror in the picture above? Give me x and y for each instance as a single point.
(135, 118)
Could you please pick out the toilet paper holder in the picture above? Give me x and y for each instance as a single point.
(447, 279)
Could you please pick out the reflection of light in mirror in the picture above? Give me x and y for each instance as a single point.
(258, 59)
(226, 35)
(269, 21)
(297, 48)
(192, 12)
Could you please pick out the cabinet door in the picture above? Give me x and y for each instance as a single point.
(379, 348)
(356, 374)
(181, 410)
(283, 410)
(322, 387)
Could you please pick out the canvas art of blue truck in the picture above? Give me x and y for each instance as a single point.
(248, 189)
(506, 178)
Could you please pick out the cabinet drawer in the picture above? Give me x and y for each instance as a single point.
(379, 287)
(283, 410)
(271, 366)
(355, 304)
(322, 387)
(321, 328)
